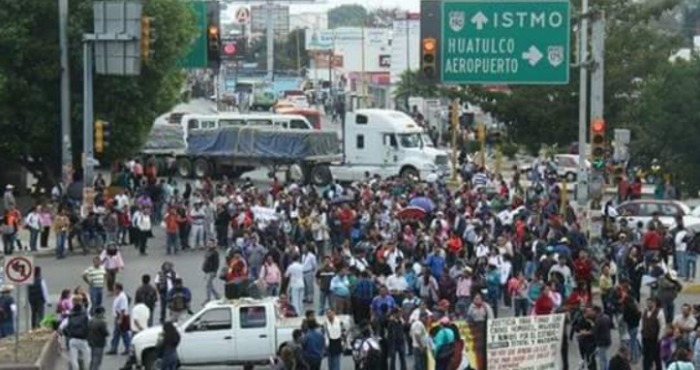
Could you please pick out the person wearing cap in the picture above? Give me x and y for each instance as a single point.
(9, 198)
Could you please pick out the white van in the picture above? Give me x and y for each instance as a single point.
(272, 121)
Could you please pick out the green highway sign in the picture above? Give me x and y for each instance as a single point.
(505, 42)
(196, 56)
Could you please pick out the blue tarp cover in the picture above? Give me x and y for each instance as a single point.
(263, 143)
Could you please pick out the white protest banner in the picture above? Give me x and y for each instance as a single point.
(525, 343)
(264, 214)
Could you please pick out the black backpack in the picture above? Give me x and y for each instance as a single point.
(77, 325)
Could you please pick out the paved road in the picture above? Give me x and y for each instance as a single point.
(66, 274)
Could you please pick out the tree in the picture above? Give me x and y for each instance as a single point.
(347, 16)
(538, 115)
(30, 95)
(358, 16)
(665, 122)
(414, 83)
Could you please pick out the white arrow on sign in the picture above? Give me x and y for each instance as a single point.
(479, 19)
(532, 55)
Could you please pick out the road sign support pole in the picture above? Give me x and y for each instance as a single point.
(270, 35)
(17, 303)
(88, 119)
(582, 178)
(66, 140)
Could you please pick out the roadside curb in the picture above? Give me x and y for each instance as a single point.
(49, 358)
(692, 288)
(50, 354)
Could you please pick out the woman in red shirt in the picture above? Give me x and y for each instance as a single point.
(544, 305)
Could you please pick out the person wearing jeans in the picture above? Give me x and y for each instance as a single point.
(602, 335)
(122, 321)
(681, 253)
(95, 277)
(61, 225)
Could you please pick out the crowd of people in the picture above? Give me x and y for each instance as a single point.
(406, 258)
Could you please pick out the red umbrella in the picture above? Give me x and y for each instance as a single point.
(411, 213)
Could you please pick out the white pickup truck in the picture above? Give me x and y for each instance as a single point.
(242, 332)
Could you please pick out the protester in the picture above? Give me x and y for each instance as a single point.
(97, 337)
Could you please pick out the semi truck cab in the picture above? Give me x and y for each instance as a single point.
(387, 143)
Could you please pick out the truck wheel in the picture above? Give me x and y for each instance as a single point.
(202, 168)
(149, 359)
(321, 175)
(408, 173)
(184, 168)
(248, 367)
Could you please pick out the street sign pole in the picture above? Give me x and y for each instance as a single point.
(88, 118)
(66, 141)
(270, 32)
(582, 178)
(19, 271)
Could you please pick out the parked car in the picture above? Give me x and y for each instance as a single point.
(643, 210)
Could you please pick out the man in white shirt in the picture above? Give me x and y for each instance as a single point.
(393, 255)
(140, 316)
(120, 311)
(397, 284)
(295, 273)
(681, 255)
(310, 264)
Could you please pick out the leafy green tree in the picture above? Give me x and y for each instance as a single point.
(30, 91)
(665, 123)
(414, 83)
(351, 15)
(634, 49)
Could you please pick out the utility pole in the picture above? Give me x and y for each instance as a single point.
(66, 141)
(582, 178)
(88, 115)
(270, 32)
(364, 80)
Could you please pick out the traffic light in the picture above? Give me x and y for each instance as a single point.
(101, 136)
(429, 57)
(147, 38)
(598, 144)
(213, 31)
(229, 49)
(213, 44)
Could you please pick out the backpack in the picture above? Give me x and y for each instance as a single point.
(77, 326)
(162, 285)
(178, 302)
(373, 357)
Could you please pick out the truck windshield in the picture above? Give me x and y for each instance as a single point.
(414, 140)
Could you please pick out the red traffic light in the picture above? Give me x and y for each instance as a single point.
(598, 126)
(429, 45)
(213, 30)
(230, 48)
